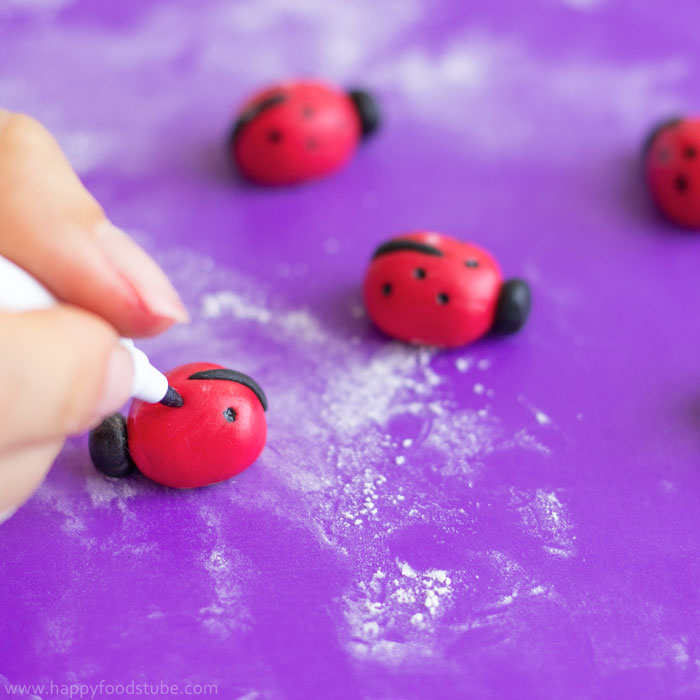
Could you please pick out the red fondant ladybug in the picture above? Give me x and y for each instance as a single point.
(428, 288)
(297, 131)
(672, 169)
(215, 429)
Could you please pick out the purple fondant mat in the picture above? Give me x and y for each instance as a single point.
(517, 518)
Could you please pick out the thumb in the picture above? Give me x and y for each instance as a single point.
(61, 371)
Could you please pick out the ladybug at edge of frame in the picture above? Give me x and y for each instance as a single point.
(671, 156)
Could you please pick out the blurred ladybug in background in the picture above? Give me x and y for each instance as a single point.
(672, 170)
(214, 430)
(431, 289)
(296, 131)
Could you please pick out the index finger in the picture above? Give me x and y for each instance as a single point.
(52, 227)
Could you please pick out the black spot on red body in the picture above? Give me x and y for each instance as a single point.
(681, 183)
(230, 414)
(419, 273)
(387, 288)
(442, 298)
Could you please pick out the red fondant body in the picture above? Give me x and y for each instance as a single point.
(196, 445)
(433, 300)
(312, 130)
(672, 168)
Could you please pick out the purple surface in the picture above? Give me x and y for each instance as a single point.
(514, 519)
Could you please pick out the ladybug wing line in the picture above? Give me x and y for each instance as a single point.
(656, 130)
(254, 111)
(405, 244)
(233, 376)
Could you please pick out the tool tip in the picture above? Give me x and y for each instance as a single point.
(172, 398)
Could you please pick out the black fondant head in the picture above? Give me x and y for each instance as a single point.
(109, 447)
(649, 140)
(231, 375)
(368, 110)
(253, 111)
(513, 306)
(399, 244)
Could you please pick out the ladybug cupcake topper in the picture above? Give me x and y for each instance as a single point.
(297, 131)
(213, 428)
(427, 288)
(672, 169)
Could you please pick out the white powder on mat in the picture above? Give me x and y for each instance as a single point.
(333, 447)
(352, 477)
(546, 516)
(490, 71)
(402, 603)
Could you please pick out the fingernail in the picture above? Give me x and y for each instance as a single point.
(154, 289)
(118, 381)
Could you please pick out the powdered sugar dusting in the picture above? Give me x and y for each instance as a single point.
(402, 604)
(226, 566)
(351, 465)
(381, 445)
(491, 72)
(399, 525)
(543, 513)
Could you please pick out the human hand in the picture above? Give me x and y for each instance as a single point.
(62, 370)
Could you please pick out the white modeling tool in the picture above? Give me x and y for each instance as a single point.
(19, 291)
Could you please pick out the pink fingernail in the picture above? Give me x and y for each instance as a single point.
(149, 281)
(118, 381)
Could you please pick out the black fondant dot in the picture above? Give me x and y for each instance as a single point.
(387, 288)
(443, 298)
(471, 263)
(274, 135)
(690, 152)
(681, 183)
(230, 415)
(419, 273)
